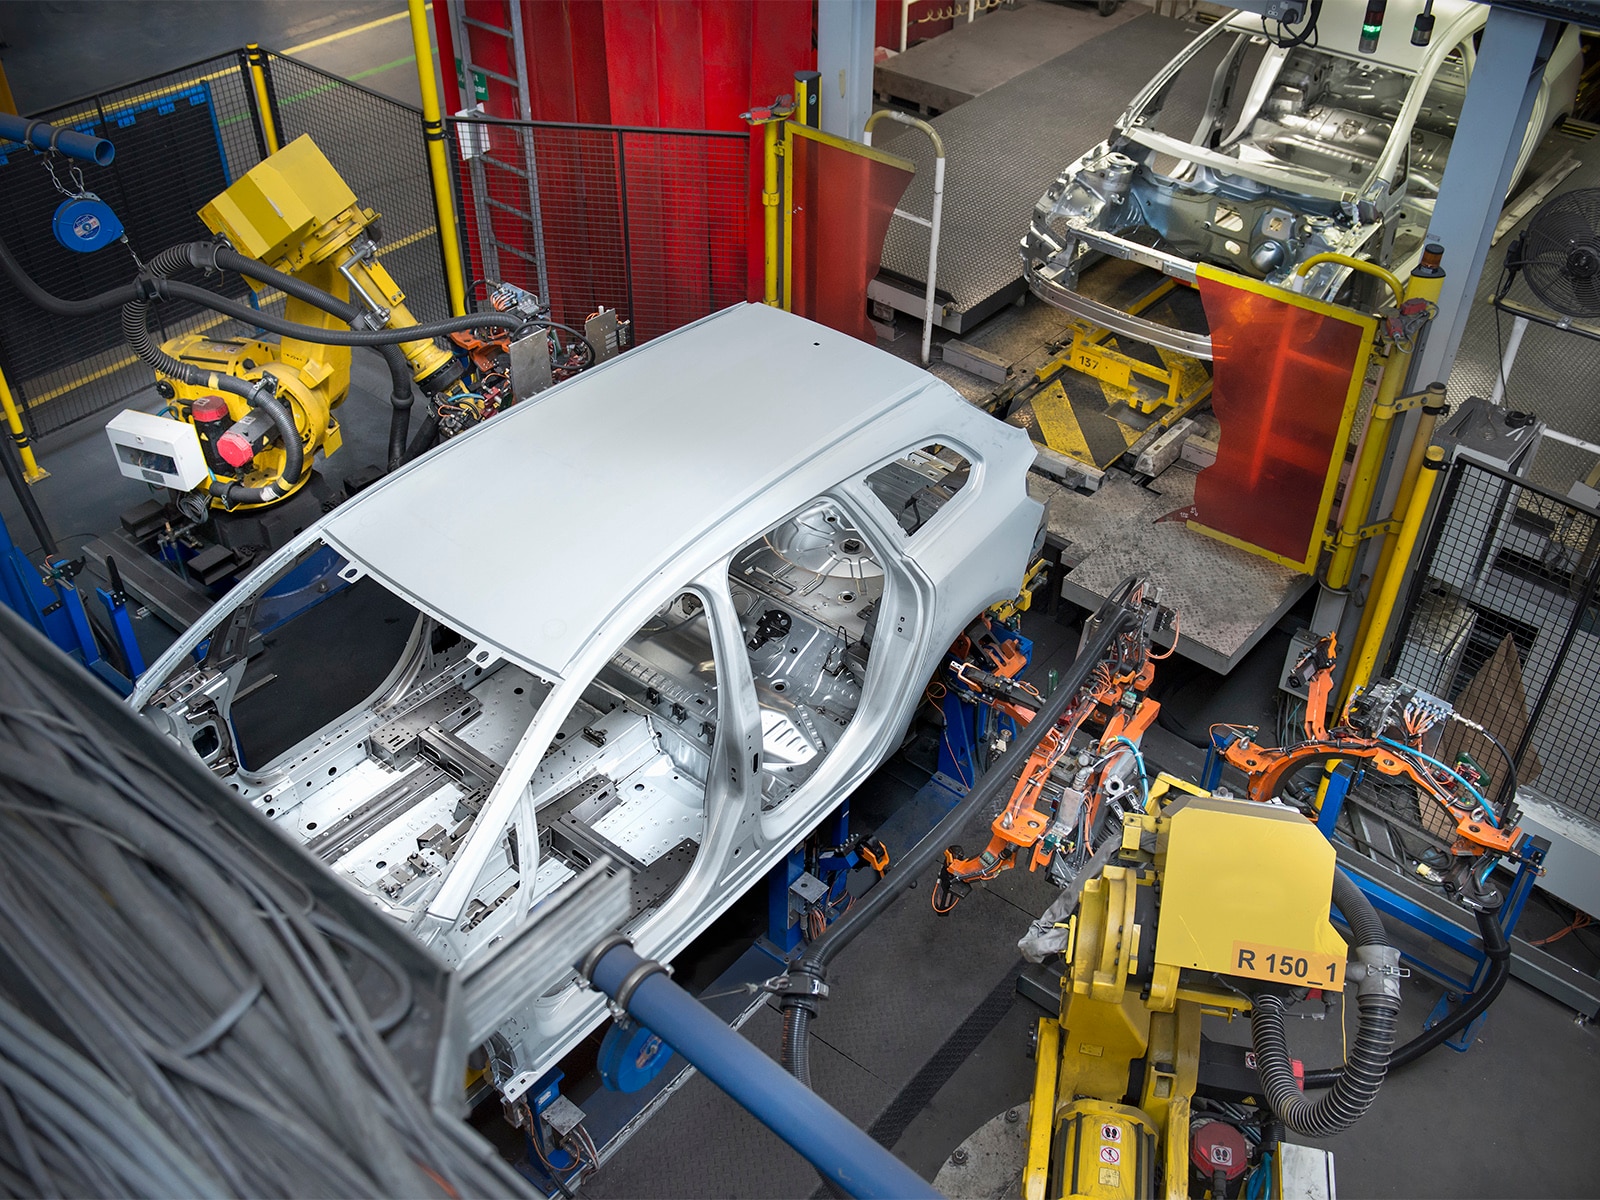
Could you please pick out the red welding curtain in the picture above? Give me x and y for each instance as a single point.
(1283, 397)
(841, 200)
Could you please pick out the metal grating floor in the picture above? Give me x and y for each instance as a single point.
(1002, 150)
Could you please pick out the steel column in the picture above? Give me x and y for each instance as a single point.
(845, 35)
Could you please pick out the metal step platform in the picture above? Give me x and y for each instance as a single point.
(1003, 149)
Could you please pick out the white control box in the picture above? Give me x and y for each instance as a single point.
(158, 450)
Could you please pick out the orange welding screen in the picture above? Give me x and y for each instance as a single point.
(842, 202)
(1280, 389)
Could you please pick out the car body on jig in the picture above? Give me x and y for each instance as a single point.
(1254, 156)
(668, 614)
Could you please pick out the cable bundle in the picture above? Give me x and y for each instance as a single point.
(177, 1016)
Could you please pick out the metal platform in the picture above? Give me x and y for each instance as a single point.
(1002, 150)
(1228, 598)
(945, 72)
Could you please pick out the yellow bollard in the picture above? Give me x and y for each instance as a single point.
(31, 470)
(1382, 600)
(257, 58)
(770, 132)
(1433, 408)
(444, 207)
(1425, 283)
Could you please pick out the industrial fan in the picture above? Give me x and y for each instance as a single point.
(1559, 254)
(1558, 257)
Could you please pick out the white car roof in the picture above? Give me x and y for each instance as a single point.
(533, 529)
(1339, 29)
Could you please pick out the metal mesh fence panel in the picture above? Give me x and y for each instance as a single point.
(180, 138)
(651, 222)
(1501, 620)
(376, 144)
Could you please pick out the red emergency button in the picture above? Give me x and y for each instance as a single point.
(235, 450)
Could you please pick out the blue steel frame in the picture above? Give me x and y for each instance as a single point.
(783, 928)
(54, 606)
(1391, 903)
(967, 720)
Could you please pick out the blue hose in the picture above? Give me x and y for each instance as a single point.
(843, 1154)
(1476, 794)
(1144, 781)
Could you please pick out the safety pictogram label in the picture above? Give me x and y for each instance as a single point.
(1110, 1155)
(1111, 1133)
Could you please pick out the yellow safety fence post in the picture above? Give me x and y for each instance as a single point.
(771, 119)
(770, 142)
(1425, 284)
(1381, 603)
(257, 58)
(31, 470)
(444, 207)
(1434, 407)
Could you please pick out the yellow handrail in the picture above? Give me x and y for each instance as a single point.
(1356, 264)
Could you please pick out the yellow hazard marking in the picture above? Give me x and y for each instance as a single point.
(1059, 423)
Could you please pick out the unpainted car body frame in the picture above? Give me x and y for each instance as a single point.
(669, 613)
(1295, 152)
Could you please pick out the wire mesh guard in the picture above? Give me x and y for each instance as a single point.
(182, 138)
(1501, 620)
(650, 222)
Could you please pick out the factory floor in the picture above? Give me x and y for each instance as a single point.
(924, 1038)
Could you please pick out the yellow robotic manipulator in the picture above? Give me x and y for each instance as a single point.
(1205, 905)
(290, 225)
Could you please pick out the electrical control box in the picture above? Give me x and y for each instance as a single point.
(158, 450)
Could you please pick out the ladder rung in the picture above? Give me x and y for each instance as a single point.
(504, 166)
(522, 254)
(505, 79)
(503, 206)
(485, 26)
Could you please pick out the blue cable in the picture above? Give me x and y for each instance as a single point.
(1476, 794)
(1144, 783)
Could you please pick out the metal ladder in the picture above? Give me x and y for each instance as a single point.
(479, 154)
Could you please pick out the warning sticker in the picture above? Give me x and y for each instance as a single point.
(1110, 1155)
(1110, 1133)
(1221, 1156)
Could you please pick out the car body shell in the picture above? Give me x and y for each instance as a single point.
(547, 536)
(1294, 152)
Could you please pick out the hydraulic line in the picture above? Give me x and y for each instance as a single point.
(219, 1043)
(1498, 951)
(30, 506)
(1378, 999)
(145, 289)
(400, 398)
(260, 393)
(800, 1003)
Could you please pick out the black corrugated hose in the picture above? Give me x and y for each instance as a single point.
(1498, 951)
(225, 258)
(260, 394)
(1378, 1000)
(808, 975)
